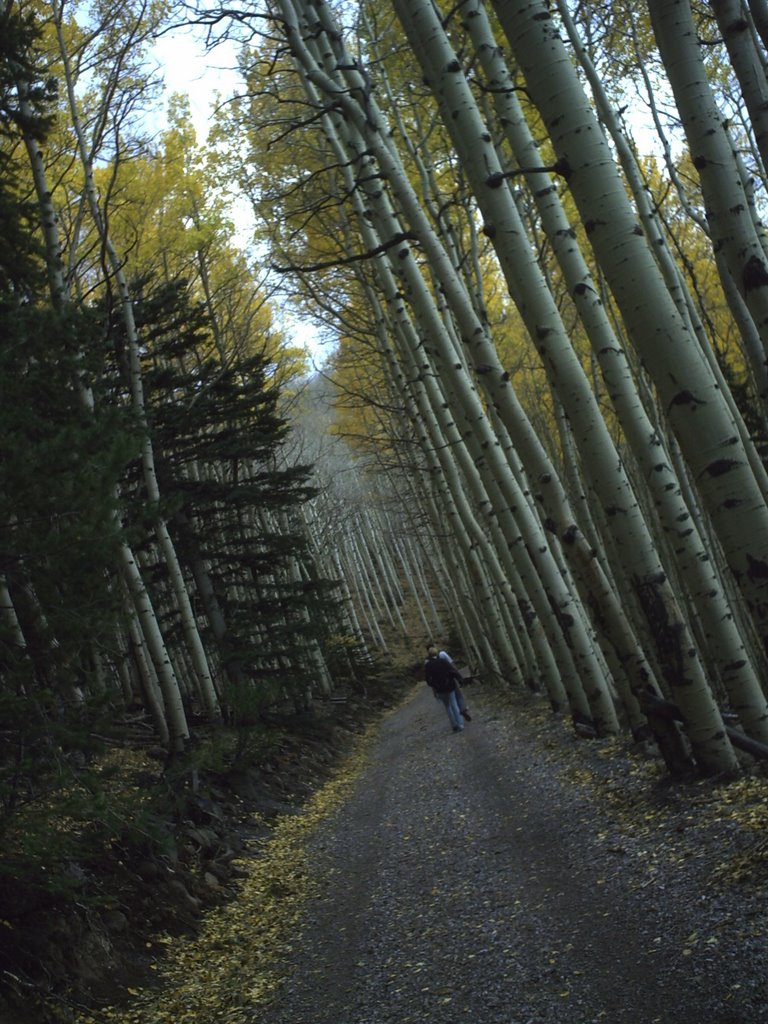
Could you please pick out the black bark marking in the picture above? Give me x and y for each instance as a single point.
(756, 568)
(720, 467)
(569, 536)
(563, 168)
(685, 397)
(666, 633)
(754, 274)
(737, 25)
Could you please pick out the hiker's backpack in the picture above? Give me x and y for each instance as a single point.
(440, 674)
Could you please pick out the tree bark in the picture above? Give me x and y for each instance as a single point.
(691, 398)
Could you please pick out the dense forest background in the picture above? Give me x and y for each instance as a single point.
(531, 234)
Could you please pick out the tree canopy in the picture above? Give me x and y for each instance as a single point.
(534, 234)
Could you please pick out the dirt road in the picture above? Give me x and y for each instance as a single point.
(484, 877)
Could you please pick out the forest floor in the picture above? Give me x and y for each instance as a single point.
(511, 873)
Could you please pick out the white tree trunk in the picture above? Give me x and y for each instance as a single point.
(728, 208)
(692, 399)
(59, 292)
(189, 625)
(174, 709)
(677, 522)
(474, 144)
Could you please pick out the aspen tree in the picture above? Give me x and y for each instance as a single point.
(409, 376)
(423, 408)
(201, 668)
(419, 597)
(59, 292)
(352, 571)
(436, 625)
(647, 443)
(349, 604)
(693, 402)
(447, 440)
(354, 120)
(431, 419)
(749, 66)
(314, 654)
(9, 616)
(472, 141)
(758, 9)
(652, 223)
(150, 683)
(728, 209)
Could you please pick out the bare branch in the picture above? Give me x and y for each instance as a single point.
(404, 236)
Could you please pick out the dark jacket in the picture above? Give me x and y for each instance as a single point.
(440, 674)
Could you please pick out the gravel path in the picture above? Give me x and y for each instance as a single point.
(481, 877)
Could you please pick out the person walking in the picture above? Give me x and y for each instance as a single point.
(440, 676)
(457, 676)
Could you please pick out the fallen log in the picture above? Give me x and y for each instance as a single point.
(660, 708)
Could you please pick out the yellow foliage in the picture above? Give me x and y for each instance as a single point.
(237, 960)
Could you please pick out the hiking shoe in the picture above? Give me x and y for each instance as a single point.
(466, 714)
(457, 728)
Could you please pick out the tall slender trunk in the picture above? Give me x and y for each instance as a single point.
(473, 142)
(648, 446)
(693, 401)
(363, 131)
(59, 292)
(728, 208)
(452, 449)
(178, 583)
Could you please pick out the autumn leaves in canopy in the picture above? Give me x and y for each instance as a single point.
(550, 340)
(563, 333)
